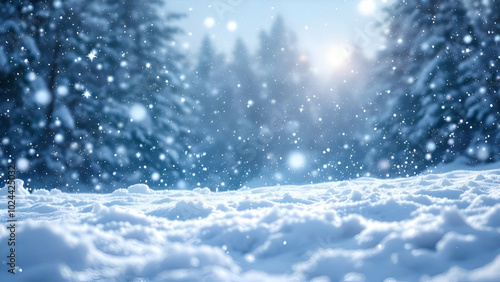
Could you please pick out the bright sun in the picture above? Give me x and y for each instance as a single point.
(336, 56)
(367, 7)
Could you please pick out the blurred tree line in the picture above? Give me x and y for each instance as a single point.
(96, 95)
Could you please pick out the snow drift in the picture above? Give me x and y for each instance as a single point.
(432, 227)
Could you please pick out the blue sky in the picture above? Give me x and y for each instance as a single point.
(320, 25)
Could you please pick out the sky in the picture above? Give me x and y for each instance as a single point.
(323, 27)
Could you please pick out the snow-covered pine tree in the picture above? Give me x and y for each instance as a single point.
(482, 82)
(80, 71)
(17, 52)
(441, 119)
(143, 120)
(40, 45)
(420, 110)
(394, 108)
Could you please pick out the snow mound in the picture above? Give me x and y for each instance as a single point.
(438, 227)
(19, 189)
(139, 188)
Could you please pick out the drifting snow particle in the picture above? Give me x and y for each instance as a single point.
(483, 153)
(430, 146)
(284, 243)
(468, 39)
(31, 76)
(43, 97)
(170, 140)
(232, 26)
(278, 176)
(121, 150)
(155, 176)
(89, 147)
(86, 94)
(73, 146)
(57, 4)
(62, 90)
(91, 55)
(162, 157)
(384, 164)
(209, 22)
(138, 112)
(296, 160)
(79, 86)
(22, 164)
(110, 79)
(58, 138)
(250, 258)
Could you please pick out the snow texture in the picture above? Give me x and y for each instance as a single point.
(435, 227)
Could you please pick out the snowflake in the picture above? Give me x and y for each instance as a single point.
(86, 94)
(92, 55)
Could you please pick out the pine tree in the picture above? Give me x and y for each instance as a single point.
(143, 123)
(482, 82)
(425, 122)
(87, 68)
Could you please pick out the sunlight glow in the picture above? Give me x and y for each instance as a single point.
(367, 7)
(337, 57)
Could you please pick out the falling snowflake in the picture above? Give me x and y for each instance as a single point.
(92, 55)
(86, 94)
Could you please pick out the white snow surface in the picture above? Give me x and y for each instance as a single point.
(435, 227)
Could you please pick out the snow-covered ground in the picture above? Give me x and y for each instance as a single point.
(441, 227)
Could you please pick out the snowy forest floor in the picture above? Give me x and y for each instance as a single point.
(442, 227)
